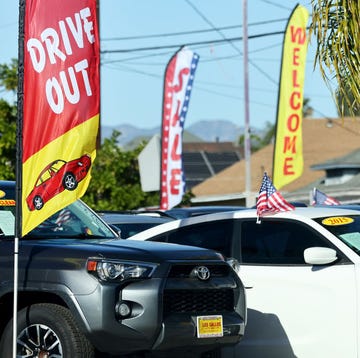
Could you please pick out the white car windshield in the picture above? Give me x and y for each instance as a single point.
(346, 228)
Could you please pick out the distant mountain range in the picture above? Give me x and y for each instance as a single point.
(206, 130)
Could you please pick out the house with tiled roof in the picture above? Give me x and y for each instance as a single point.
(327, 145)
(341, 180)
(202, 160)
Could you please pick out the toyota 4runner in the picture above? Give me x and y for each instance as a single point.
(83, 292)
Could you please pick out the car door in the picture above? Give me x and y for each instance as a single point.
(294, 309)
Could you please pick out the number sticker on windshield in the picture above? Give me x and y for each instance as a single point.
(337, 220)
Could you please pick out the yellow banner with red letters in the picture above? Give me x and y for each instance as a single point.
(288, 149)
(61, 105)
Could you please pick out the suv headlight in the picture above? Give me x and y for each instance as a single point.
(112, 270)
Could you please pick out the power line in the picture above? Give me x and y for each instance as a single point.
(216, 42)
(231, 42)
(170, 34)
(158, 54)
(162, 63)
(200, 88)
(223, 40)
(275, 4)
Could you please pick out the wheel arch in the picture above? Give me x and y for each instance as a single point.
(25, 298)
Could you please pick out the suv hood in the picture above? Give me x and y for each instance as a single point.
(126, 249)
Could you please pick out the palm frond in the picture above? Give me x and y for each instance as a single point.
(336, 29)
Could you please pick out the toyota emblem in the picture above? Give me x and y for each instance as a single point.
(202, 273)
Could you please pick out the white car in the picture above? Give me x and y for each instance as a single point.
(301, 270)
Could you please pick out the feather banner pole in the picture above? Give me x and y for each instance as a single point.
(18, 193)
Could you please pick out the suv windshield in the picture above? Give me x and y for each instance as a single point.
(346, 228)
(75, 220)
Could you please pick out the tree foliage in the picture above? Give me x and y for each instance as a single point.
(8, 113)
(348, 104)
(8, 76)
(7, 140)
(335, 24)
(115, 183)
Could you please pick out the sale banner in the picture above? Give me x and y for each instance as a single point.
(288, 149)
(61, 105)
(178, 83)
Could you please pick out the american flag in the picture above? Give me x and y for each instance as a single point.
(270, 200)
(320, 198)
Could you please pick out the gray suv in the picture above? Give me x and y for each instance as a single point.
(85, 293)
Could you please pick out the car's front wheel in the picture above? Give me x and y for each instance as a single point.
(70, 182)
(46, 330)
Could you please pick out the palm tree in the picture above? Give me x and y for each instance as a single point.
(335, 24)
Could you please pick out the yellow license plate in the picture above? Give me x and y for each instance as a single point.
(209, 326)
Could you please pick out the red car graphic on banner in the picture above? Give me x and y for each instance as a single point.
(55, 178)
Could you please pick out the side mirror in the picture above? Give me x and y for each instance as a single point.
(319, 255)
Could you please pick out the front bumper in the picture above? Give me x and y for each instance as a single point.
(149, 328)
(180, 331)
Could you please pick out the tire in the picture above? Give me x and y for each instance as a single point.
(46, 330)
(70, 182)
(38, 202)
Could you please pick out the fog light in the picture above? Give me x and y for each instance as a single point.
(123, 309)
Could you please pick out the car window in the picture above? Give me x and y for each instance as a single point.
(75, 220)
(127, 230)
(277, 242)
(215, 235)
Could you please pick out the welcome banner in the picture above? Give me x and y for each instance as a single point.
(179, 77)
(288, 149)
(61, 104)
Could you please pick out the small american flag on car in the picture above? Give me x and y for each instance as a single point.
(320, 198)
(270, 200)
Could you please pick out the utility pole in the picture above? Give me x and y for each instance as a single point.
(247, 141)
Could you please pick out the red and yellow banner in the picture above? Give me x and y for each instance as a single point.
(288, 151)
(61, 105)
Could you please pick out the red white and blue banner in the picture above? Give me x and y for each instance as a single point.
(178, 83)
(60, 104)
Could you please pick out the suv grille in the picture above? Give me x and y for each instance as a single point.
(183, 271)
(199, 301)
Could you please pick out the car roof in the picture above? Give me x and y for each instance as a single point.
(298, 214)
(342, 206)
(201, 210)
(122, 218)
